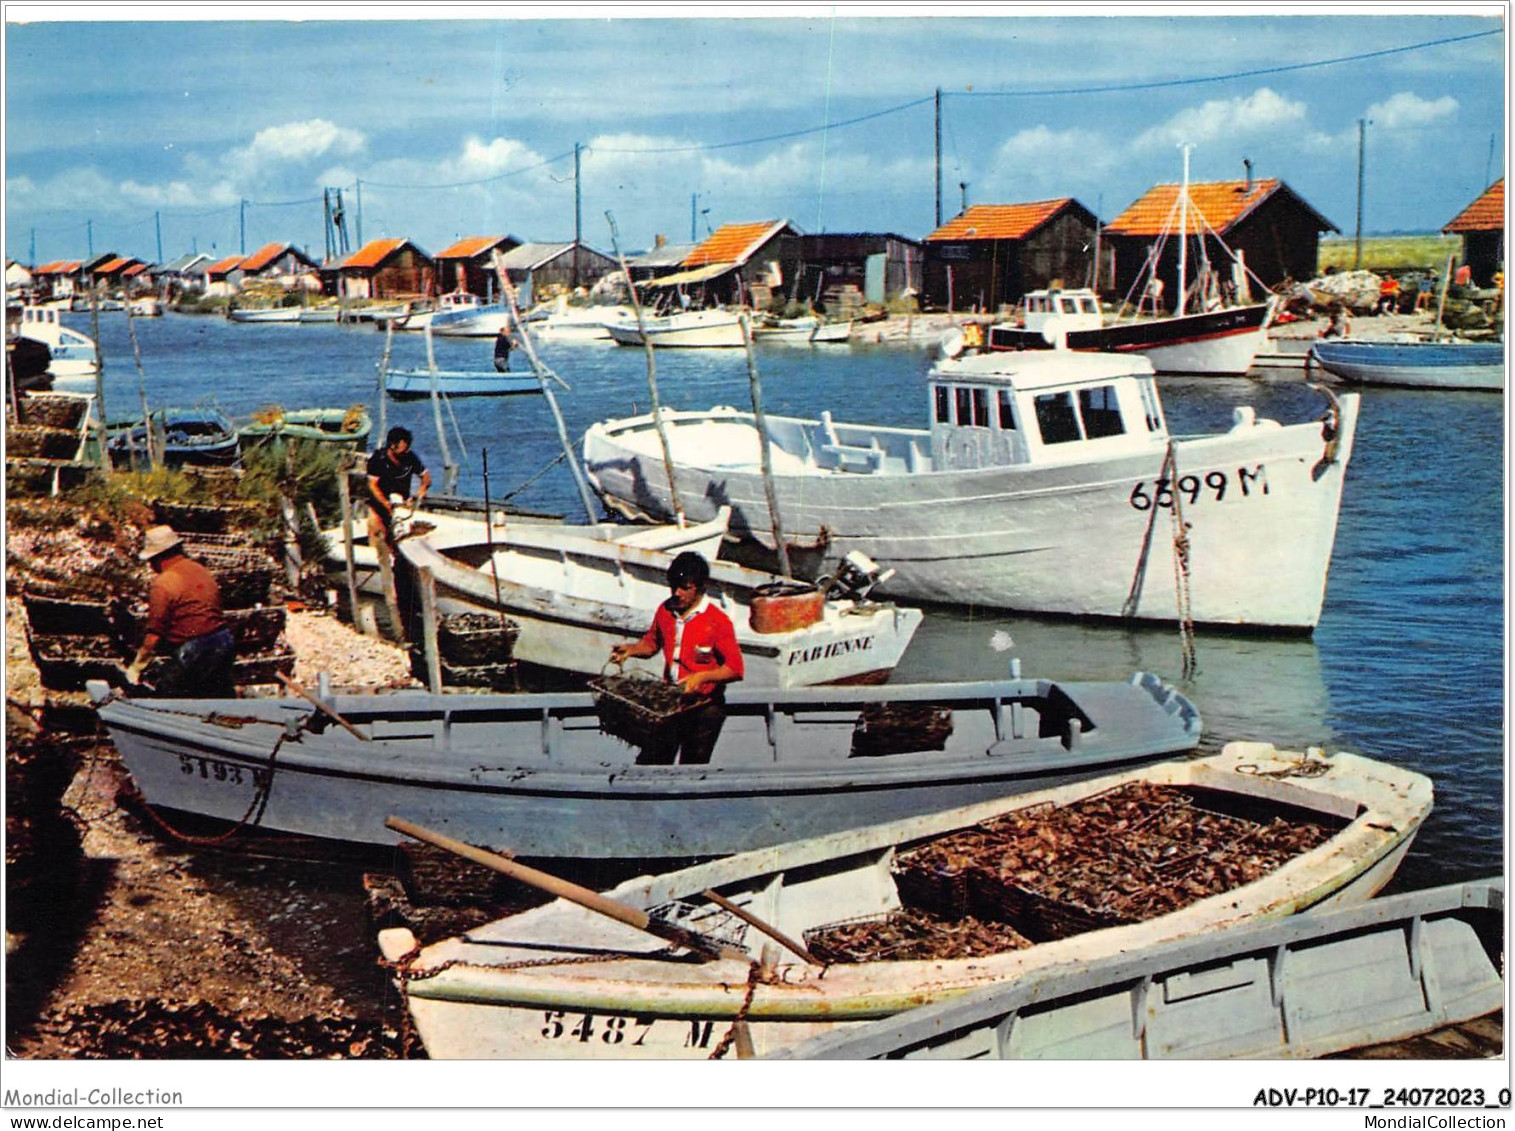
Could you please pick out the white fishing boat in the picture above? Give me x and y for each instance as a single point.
(562, 981)
(1303, 987)
(561, 322)
(577, 591)
(1415, 364)
(687, 329)
(268, 314)
(808, 330)
(74, 357)
(147, 306)
(413, 384)
(460, 314)
(1047, 482)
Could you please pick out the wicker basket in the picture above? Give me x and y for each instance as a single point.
(244, 576)
(37, 441)
(475, 639)
(900, 728)
(639, 709)
(53, 610)
(1039, 917)
(53, 410)
(939, 891)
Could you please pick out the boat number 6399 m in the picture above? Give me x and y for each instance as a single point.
(1212, 484)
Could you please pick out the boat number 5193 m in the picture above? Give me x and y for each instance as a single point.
(1192, 488)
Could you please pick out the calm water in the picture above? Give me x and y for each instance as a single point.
(1407, 664)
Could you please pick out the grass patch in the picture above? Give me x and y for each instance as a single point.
(1389, 253)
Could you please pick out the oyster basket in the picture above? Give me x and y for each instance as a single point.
(495, 677)
(55, 610)
(203, 518)
(244, 576)
(639, 709)
(53, 411)
(66, 662)
(263, 667)
(938, 890)
(475, 639)
(1038, 916)
(900, 728)
(38, 441)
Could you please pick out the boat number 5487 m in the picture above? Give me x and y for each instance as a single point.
(1192, 488)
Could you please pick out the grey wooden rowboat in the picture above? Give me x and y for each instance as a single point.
(535, 773)
(1307, 986)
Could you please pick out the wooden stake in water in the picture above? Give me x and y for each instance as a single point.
(389, 337)
(542, 372)
(449, 469)
(154, 456)
(652, 375)
(494, 566)
(761, 423)
(100, 432)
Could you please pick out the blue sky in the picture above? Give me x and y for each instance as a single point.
(466, 125)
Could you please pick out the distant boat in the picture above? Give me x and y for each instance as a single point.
(411, 384)
(561, 322)
(464, 315)
(807, 329)
(687, 329)
(1306, 986)
(337, 427)
(1338, 827)
(454, 302)
(194, 436)
(266, 314)
(320, 314)
(147, 306)
(1429, 365)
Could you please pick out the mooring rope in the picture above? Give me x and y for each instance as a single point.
(1181, 548)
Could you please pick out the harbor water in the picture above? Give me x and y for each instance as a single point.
(1406, 665)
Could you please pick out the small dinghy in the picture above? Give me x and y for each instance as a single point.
(916, 911)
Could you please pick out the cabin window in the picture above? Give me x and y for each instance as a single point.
(1057, 418)
(943, 406)
(1088, 305)
(1101, 412)
(1149, 406)
(964, 406)
(981, 408)
(1006, 411)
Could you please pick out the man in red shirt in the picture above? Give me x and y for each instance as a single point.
(184, 613)
(700, 654)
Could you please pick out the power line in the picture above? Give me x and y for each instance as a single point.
(1255, 73)
(774, 137)
(480, 181)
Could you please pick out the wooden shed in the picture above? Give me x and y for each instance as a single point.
(1481, 226)
(468, 265)
(283, 265)
(383, 269)
(542, 270)
(879, 265)
(59, 279)
(1272, 227)
(737, 264)
(991, 254)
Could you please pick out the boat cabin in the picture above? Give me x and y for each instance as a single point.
(1041, 407)
(1051, 313)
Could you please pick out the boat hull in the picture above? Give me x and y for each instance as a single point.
(412, 384)
(1262, 515)
(535, 775)
(485, 322)
(289, 314)
(476, 998)
(1219, 342)
(576, 598)
(699, 330)
(1428, 365)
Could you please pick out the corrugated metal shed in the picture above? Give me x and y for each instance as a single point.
(530, 256)
(1000, 221)
(1486, 214)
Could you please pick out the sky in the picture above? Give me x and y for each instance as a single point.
(140, 131)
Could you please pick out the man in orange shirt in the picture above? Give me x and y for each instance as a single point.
(184, 614)
(700, 654)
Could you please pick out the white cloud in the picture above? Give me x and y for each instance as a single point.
(1256, 114)
(291, 144)
(1409, 111)
(179, 194)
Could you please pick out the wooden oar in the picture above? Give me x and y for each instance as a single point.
(288, 682)
(772, 932)
(566, 889)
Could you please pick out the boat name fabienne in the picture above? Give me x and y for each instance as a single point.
(826, 651)
(1193, 488)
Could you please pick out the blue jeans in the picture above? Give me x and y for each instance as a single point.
(205, 665)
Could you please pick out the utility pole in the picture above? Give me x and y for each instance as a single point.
(578, 215)
(963, 185)
(158, 228)
(938, 157)
(360, 211)
(34, 248)
(1362, 141)
(89, 237)
(694, 203)
(242, 227)
(1489, 163)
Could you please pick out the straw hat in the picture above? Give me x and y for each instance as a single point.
(158, 540)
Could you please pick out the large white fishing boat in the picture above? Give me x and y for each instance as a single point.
(1047, 482)
(74, 357)
(685, 329)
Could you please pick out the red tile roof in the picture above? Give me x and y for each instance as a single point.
(1220, 203)
(734, 243)
(1486, 214)
(374, 253)
(224, 266)
(59, 267)
(470, 247)
(134, 270)
(1000, 221)
(110, 267)
(264, 256)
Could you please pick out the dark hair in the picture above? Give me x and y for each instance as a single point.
(398, 433)
(688, 567)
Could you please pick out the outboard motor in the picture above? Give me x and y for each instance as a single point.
(855, 577)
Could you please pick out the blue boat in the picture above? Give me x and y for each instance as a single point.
(410, 384)
(1432, 365)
